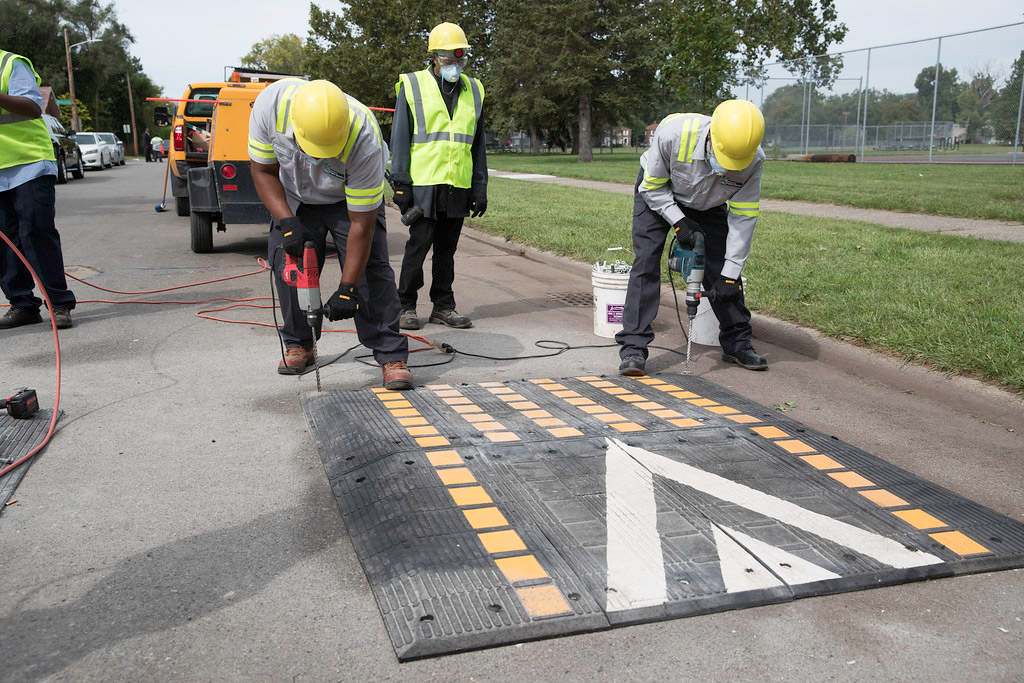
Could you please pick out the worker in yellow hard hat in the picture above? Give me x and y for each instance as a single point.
(438, 169)
(701, 174)
(317, 160)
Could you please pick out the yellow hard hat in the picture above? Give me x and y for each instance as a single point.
(737, 128)
(447, 36)
(320, 119)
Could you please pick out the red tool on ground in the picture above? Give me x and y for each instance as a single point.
(304, 276)
(22, 405)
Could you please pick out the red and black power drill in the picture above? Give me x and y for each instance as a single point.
(22, 405)
(304, 276)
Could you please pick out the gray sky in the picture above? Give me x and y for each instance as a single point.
(193, 40)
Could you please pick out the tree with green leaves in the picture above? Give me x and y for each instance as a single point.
(284, 54)
(1005, 109)
(946, 108)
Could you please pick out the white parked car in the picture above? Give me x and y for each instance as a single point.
(95, 151)
(116, 148)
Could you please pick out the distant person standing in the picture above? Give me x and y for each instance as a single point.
(157, 145)
(439, 165)
(147, 142)
(28, 176)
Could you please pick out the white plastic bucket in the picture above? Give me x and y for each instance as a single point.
(609, 281)
(704, 328)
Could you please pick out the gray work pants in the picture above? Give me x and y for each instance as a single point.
(377, 318)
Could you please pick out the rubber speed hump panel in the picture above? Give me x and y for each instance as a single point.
(498, 512)
(17, 438)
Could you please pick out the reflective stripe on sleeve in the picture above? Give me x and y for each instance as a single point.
(358, 197)
(261, 150)
(650, 183)
(745, 208)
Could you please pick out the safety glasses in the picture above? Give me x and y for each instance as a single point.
(448, 60)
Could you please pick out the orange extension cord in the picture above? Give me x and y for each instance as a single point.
(235, 303)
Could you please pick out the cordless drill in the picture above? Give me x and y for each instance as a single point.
(22, 405)
(304, 276)
(690, 264)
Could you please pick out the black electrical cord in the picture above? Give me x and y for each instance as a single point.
(675, 298)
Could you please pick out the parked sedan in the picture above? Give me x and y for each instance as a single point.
(65, 151)
(116, 148)
(95, 152)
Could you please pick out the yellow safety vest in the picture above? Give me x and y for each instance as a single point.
(441, 150)
(22, 140)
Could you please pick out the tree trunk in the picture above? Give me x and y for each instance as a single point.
(575, 141)
(534, 141)
(586, 152)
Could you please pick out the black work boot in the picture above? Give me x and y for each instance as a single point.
(407, 320)
(16, 317)
(62, 316)
(451, 318)
(746, 358)
(633, 366)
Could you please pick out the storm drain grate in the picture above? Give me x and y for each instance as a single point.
(573, 298)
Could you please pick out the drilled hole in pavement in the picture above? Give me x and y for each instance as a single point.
(495, 608)
(684, 582)
(848, 557)
(785, 564)
(995, 539)
(749, 570)
(410, 462)
(427, 617)
(573, 596)
(910, 548)
(496, 456)
(609, 589)
(351, 457)
(360, 480)
(469, 457)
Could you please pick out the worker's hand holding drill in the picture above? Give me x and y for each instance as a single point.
(343, 303)
(725, 289)
(294, 235)
(685, 229)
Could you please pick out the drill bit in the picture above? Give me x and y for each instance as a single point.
(316, 365)
(689, 341)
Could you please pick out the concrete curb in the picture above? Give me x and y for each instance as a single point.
(975, 398)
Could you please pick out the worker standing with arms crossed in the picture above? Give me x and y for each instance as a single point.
(318, 159)
(701, 174)
(28, 176)
(439, 168)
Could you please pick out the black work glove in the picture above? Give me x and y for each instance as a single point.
(294, 235)
(403, 197)
(725, 289)
(477, 206)
(685, 227)
(343, 303)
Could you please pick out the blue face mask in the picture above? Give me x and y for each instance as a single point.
(451, 72)
(715, 166)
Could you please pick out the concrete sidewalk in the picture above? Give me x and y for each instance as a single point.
(964, 227)
(180, 525)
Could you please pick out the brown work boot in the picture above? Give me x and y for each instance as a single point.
(62, 316)
(16, 317)
(296, 359)
(396, 375)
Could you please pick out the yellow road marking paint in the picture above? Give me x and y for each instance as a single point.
(769, 432)
(405, 412)
(631, 398)
(666, 413)
(469, 495)
(614, 391)
(648, 380)
(521, 568)
(556, 387)
(851, 479)
(491, 384)
(549, 422)
(523, 405)
(430, 441)
(543, 601)
(432, 387)
(410, 421)
(743, 419)
(595, 409)
(602, 384)
(501, 390)
(723, 410)
(562, 432)
(501, 437)
(442, 458)
(648, 405)
(568, 393)
(580, 401)
(959, 543)
(397, 404)
(686, 422)
(883, 498)
(421, 431)
(485, 518)
(477, 417)
(534, 414)
(457, 401)
(540, 381)
(472, 408)
(629, 427)
(589, 379)
(919, 519)
(489, 426)
(448, 392)
(508, 398)
(702, 402)
(501, 541)
(609, 417)
(821, 462)
(683, 394)
(794, 446)
(456, 475)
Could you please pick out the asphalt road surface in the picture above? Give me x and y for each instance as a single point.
(180, 525)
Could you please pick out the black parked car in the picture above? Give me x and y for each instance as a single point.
(65, 149)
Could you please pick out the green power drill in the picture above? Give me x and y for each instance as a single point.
(690, 264)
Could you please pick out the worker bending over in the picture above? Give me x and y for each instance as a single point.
(439, 167)
(701, 174)
(318, 165)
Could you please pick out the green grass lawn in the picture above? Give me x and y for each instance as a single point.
(965, 191)
(951, 303)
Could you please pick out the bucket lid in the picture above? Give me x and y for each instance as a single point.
(604, 265)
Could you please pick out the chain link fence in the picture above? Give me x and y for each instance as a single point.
(885, 104)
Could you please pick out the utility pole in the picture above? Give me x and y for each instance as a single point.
(131, 108)
(75, 125)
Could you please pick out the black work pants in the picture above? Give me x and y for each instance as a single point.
(441, 233)
(643, 293)
(27, 215)
(377, 318)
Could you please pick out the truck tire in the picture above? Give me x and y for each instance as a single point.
(202, 232)
(78, 172)
(62, 170)
(181, 206)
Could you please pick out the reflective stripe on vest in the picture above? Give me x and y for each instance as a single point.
(23, 140)
(441, 150)
(688, 137)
